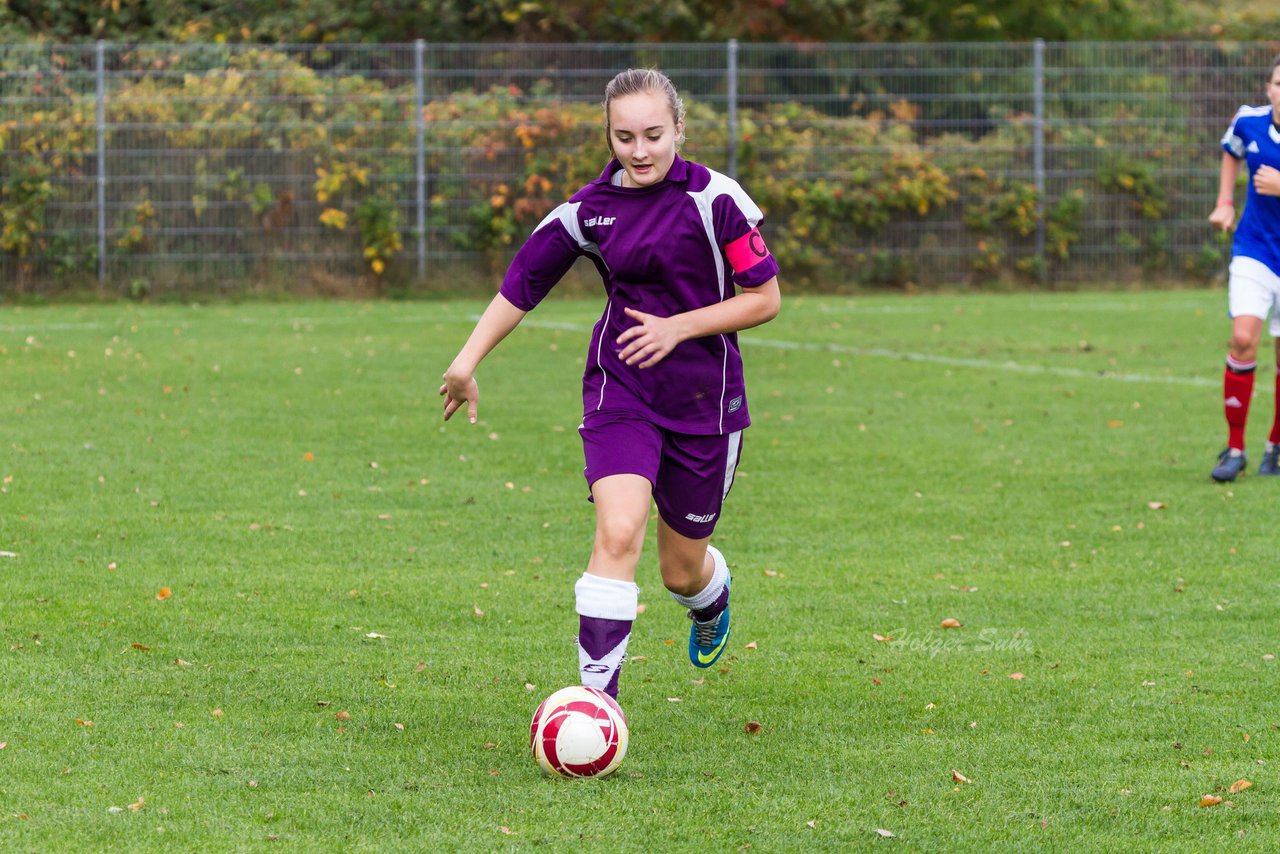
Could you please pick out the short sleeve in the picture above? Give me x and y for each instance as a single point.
(1232, 142)
(544, 258)
(737, 223)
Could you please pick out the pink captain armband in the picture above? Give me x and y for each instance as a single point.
(747, 251)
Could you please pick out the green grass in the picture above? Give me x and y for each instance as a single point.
(284, 471)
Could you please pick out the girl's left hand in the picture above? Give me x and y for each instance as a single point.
(649, 341)
(1267, 181)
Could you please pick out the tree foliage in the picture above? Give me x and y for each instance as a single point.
(381, 21)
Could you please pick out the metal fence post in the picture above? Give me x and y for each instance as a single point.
(732, 96)
(419, 97)
(1038, 154)
(100, 75)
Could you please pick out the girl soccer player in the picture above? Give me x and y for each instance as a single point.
(663, 396)
(1254, 284)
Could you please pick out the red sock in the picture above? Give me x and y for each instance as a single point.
(1237, 391)
(1274, 438)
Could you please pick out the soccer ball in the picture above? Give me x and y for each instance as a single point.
(579, 732)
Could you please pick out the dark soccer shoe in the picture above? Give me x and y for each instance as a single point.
(1270, 461)
(1229, 467)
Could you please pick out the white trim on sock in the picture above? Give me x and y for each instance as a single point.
(606, 598)
(709, 594)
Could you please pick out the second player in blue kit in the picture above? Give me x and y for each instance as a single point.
(684, 268)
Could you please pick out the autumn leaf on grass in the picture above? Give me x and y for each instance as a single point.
(957, 777)
(882, 638)
(137, 805)
(84, 722)
(1157, 505)
(343, 716)
(140, 647)
(164, 593)
(1210, 801)
(951, 623)
(752, 727)
(1239, 786)
(887, 834)
(1017, 677)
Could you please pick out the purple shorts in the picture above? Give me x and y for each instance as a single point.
(691, 475)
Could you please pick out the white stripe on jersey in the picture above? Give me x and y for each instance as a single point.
(567, 215)
(723, 185)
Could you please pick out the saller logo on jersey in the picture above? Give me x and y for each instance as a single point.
(706, 518)
(600, 220)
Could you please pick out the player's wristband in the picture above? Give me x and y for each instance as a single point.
(1230, 203)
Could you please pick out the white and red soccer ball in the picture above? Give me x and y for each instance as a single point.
(579, 732)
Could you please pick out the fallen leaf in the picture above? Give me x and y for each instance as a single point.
(164, 593)
(399, 726)
(309, 457)
(811, 823)
(529, 686)
(951, 623)
(84, 722)
(494, 772)
(136, 805)
(882, 638)
(1115, 423)
(675, 700)
(1239, 786)
(181, 663)
(752, 727)
(376, 636)
(140, 647)
(771, 573)
(421, 666)
(478, 612)
(887, 834)
(114, 810)
(343, 716)
(1017, 677)
(504, 829)
(3, 745)
(1246, 738)
(699, 680)
(751, 645)
(958, 777)
(217, 713)
(640, 609)
(1210, 801)
(488, 745)
(1157, 505)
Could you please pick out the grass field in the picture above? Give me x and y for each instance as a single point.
(256, 594)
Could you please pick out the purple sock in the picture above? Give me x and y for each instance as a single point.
(602, 644)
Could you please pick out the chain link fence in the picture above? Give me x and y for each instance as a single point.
(154, 166)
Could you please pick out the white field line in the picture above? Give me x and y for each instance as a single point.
(932, 359)
(752, 341)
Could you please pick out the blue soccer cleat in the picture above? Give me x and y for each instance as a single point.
(1270, 461)
(707, 640)
(1229, 466)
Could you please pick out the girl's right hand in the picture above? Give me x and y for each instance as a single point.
(459, 389)
(1223, 217)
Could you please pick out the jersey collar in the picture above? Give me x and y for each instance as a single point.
(679, 171)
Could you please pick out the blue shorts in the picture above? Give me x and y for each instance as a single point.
(691, 475)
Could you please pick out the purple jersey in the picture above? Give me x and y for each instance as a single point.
(678, 245)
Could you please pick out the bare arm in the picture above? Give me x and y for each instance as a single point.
(653, 337)
(459, 379)
(1224, 212)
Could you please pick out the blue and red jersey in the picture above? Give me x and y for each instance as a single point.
(678, 245)
(1254, 138)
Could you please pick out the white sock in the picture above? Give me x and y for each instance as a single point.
(709, 594)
